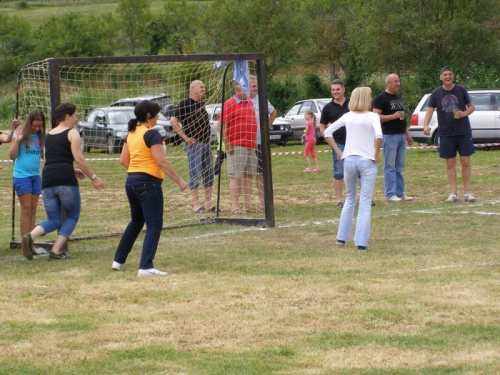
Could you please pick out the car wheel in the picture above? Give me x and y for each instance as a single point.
(110, 145)
(84, 146)
(435, 139)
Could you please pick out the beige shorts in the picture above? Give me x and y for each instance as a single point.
(241, 161)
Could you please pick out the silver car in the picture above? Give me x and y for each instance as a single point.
(279, 134)
(295, 115)
(484, 121)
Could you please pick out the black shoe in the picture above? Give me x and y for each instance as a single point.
(60, 255)
(362, 248)
(27, 245)
(373, 203)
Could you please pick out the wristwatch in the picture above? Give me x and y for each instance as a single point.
(93, 177)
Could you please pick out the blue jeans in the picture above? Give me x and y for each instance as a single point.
(355, 166)
(338, 165)
(199, 157)
(394, 164)
(145, 197)
(53, 199)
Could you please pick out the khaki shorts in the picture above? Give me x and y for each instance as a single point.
(242, 161)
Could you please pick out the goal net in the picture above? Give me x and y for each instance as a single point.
(105, 90)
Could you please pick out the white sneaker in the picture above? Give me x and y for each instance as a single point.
(151, 272)
(117, 266)
(468, 197)
(406, 198)
(394, 198)
(453, 198)
(39, 251)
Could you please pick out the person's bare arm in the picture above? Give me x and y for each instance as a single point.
(125, 156)
(272, 117)
(176, 125)
(427, 119)
(386, 118)
(166, 167)
(76, 150)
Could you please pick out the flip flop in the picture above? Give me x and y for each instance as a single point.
(237, 211)
(200, 210)
(211, 210)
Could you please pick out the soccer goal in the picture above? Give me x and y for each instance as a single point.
(105, 89)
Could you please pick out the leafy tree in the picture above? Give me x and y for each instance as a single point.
(16, 44)
(90, 36)
(135, 16)
(270, 26)
(175, 29)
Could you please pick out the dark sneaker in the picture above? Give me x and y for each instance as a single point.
(27, 245)
(339, 205)
(60, 255)
(362, 248)
(340, 243)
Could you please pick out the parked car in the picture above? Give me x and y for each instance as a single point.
(484, 121)
(108, 127)
(295, 115)
(165, 102)
(279, 134)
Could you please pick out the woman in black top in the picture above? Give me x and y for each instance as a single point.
(59, 182)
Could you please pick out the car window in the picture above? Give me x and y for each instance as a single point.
(321, 103)
(215, 115)
(293, 111)
(100, 118)
(120, 117)
(314, 108)
(496, 100)
(482, 101)
(163, 101)
(426, 104)
(306, 106)
(91, 117)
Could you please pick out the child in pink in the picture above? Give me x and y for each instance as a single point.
(309, 140)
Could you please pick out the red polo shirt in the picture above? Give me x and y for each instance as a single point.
(240, 123)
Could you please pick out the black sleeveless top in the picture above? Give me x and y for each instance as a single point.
(58, 170)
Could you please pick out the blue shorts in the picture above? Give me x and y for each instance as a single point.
(449, 145)
(32, 184)
(338, 165)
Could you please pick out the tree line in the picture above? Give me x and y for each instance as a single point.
(354, 39)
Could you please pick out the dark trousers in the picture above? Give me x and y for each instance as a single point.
(145, 197)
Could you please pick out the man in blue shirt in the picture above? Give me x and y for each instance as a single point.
(453, 106)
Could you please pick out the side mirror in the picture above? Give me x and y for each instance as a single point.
(100, 120)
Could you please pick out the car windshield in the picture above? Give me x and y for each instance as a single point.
(120, 117)
(322, 103)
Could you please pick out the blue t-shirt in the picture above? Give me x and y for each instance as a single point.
(445, 101)
(27, 163)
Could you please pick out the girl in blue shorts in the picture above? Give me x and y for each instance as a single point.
(26, 150)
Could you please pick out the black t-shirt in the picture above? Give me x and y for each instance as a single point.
(194, 119)
(445, 101)
(58, 169)
(389, 104)
(331, 113)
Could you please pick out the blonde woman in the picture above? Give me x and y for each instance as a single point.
(360, 157)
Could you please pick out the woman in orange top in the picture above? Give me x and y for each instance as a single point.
(144, 158)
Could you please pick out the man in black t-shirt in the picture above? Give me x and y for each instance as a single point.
(389, 106)
(195, 131)
(331, 113)
(453, 106)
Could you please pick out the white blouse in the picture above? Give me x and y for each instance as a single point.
(361, 131)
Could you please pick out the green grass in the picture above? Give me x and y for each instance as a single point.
(422, 300)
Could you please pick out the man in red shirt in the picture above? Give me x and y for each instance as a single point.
(240, 133)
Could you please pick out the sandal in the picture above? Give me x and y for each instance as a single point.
(307, 170)
(200, 210)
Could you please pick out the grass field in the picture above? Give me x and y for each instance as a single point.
(424, 299)
(38, 12)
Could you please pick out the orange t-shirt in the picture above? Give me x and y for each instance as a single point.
(141, 158)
